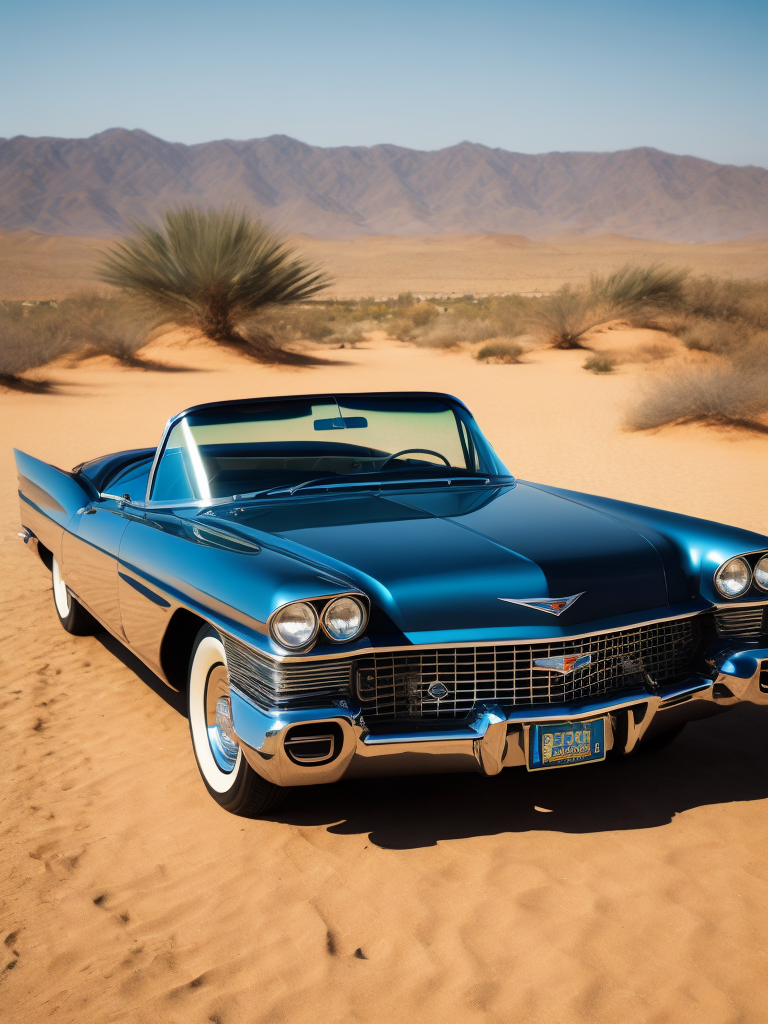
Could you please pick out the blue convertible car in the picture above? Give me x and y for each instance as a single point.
(354, 584)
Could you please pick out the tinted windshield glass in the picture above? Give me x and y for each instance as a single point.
(240, 449)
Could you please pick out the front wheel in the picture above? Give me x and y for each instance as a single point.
(73, 617)
(228, 777)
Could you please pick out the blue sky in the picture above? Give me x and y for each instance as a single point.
(681, 76)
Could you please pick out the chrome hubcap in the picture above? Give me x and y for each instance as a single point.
(218, 716)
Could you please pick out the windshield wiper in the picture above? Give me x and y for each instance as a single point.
(343, 480)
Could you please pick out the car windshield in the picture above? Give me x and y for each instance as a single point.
(244, 448)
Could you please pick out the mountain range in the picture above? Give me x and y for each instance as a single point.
(98, 186)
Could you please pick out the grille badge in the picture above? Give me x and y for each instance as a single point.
(551, 605)
(565, 665)
(437, 690)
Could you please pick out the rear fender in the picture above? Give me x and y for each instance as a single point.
(49, 498)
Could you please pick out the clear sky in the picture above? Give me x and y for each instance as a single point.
(687, 77)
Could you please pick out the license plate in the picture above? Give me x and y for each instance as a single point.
(566, 743)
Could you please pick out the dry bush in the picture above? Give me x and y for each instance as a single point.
(728, 394)
(105, 325)
(713, 298)
(634, 292)
(500, 352)
(450, 331)
(719, 336)
(27, 342)
(347, 337)
(600, 362)
(564, 317)
(422, 313)
(653, 352)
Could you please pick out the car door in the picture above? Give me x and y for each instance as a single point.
(89, 558)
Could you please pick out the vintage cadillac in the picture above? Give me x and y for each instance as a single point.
(353, 584)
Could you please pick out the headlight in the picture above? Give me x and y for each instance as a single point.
(761, 573)
(343, 618)
(295, 625)
(733, 577)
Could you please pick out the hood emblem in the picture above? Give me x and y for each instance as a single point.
(565, 665)
(437, 690)
(551, 605)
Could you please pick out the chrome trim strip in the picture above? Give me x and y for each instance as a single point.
(363, 652)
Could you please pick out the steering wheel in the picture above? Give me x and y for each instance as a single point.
(411, 451)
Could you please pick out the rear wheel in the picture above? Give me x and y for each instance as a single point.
(73, 617)
(228, 777)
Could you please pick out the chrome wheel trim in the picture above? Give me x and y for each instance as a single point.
(60, 592)
(208, 683)
(218, 716)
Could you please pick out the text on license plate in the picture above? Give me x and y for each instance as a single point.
(564, 743)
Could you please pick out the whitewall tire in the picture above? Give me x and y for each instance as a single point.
(73, 617)
(228, 777)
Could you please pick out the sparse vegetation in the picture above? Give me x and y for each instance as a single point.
(563, 318)
(213, 270)
(27, 342)
(600, 362)
(724, 394)
(500, 352)
(634, 291)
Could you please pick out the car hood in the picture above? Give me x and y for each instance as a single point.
(445, 560)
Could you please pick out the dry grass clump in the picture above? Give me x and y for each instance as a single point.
(27, 342)
(450, 331)
(600, 362)
(713, 298)
(731, 391)
(653, 352)
(565, 317)
(500, 352)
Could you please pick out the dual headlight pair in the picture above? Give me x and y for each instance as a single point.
(296, 625)
(734, 577)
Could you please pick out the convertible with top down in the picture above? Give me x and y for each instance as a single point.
(350, 585)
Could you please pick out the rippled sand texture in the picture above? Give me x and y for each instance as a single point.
(631, 892)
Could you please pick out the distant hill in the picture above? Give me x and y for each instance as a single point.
(96, 186)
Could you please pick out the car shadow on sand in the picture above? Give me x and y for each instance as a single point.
(719, 760)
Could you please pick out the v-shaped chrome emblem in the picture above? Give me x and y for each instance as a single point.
(550, 605)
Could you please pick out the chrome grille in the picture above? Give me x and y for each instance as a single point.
(275, 684)
(743, 621)
(395, 685)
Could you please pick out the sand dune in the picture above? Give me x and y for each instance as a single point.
(631, 892)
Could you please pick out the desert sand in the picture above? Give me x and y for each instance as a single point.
(54, 267)
(630, 892)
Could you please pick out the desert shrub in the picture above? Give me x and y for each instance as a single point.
(729, 393)
(564, 317)
(422, 313)
(600, 362)
(105, 325)
(701, 335)
(634, 291)
(27, 342)
(450, 331)
(500, 352)
(712, 298)
(347, 337)
(214, 270)
(653, 352)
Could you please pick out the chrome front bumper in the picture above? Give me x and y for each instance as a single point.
(491, 739)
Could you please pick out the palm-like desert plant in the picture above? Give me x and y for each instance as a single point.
(213, 270)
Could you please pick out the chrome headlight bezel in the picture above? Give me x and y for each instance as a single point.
(354, 599)
(719, 572)
(282, 613)
(762, 560)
